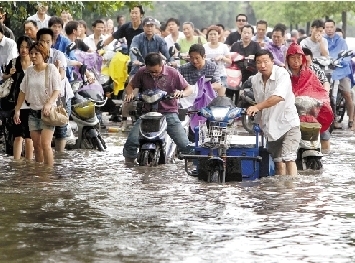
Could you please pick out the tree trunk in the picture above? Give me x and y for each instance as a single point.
(343, 20)
(308, 27)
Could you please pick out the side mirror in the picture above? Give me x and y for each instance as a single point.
(171, 51)
(135, 51)
(177, 46)
(100, 44)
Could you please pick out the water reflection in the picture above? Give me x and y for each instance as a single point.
(93, 208)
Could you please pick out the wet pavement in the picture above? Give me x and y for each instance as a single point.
(93, 208)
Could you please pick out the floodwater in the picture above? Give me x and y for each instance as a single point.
(94, 208)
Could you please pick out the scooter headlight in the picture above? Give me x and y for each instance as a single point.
(205, 112)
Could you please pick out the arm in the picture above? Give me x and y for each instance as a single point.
(20, 100)
(135, 43)
(116, 35)
(279, 94)
(135, 83)
(188, 90)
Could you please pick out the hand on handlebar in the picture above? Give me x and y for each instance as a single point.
(129, 97)
(179, 94)
(252, 110)
(136, 63)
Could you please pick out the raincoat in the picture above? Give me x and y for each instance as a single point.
(118, 71)
(308, 84)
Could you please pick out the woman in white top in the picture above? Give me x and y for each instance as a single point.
(17, 73)
(41, 98)
(217, 51)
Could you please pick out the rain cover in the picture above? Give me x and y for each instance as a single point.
(204, 96)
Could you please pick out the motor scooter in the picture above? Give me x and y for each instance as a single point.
(309, 154)
(87, 97)
(224, 157)
(337, 100)
(152, 128)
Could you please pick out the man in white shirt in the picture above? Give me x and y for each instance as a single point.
(98, 28)
(173, 26)
(8, 50)
(316, 42)
(279, 119)
(41, 17)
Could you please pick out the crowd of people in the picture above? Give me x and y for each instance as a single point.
(277, 63)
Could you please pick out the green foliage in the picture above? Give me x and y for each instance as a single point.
(297, 12)
(201, 13)
(22, 9)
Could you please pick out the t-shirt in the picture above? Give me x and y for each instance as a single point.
(34, 85)
(222, 49)
(314, 46)
(185, 45)
(248, 69)
(127, 31)
(169, 80)
(232, 38)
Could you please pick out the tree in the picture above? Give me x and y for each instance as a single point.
(18, 11)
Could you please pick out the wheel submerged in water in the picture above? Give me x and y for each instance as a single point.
(312, 163)
(248, 124)
(143, 158)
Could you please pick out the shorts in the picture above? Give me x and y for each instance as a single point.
(325, 136)
(22, 129)
(345, 84)
(60, 132)
(285, 148)
(35, 122)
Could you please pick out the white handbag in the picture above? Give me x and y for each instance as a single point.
(5, 87)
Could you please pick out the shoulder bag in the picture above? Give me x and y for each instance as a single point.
(5, 87)
(58, 116)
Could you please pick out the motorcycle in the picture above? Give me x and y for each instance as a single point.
(87, 97)
(221, 158)
(337, 100)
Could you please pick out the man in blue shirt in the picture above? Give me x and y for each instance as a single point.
(147, 42)
(335, 45)
(61, 42)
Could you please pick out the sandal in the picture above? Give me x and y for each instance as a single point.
(350, 124)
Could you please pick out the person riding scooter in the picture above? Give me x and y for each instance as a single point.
(306, 83)
(156, 75)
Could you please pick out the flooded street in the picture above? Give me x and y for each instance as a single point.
(94, 208)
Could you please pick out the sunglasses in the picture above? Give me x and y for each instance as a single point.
(241, 20)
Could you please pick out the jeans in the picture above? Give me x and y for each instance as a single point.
(174, 130)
